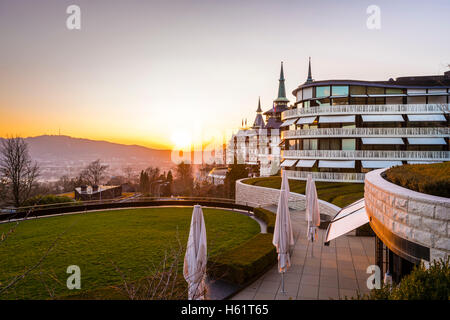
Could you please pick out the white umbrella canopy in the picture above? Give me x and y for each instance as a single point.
(283, 237)
(312, 209)
(195, 258)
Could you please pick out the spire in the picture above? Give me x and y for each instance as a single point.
(281, 89)
(310, 79)
(259, 110)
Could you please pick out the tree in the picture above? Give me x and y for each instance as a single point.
(129, 175)
(94, 173)
(144, 183)
(184, 180)
(17, 169)
(235, 172)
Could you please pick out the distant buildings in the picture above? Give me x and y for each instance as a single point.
(87, 193)
(338, 130)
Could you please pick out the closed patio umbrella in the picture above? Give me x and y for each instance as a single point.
(195, 258)
(312, 210)
(283, 238)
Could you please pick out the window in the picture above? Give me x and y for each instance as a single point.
(306, 104)
(320, 103)
(340, 101)
(310, 144)
(349, 126)
(417, 100)
(299, 95)
(340, 90)
(358, 101)
(437, 99)
(357, 90)
(394, 100)
(394, 91)
(375, 100)
(323, 91)
(307, 93)
(348, 144)
(375, 90)
(416, 91)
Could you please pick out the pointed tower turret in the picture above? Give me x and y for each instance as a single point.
(309, 79)
(259, 121)
(281, 88)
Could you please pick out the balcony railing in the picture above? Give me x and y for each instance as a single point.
(367, 109)
(367, 132)
(326, 176)
(367, 155)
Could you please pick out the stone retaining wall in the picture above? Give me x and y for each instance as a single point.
(262, 196)
(418, 217)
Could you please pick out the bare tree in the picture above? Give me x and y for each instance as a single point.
(129, 174)
(94, 173)
(17, 169)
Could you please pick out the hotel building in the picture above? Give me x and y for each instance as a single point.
(258, 146)
(338, 130)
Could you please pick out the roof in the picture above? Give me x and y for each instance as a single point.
(259, 121)
(273, 123)
(401, 82)
(280, 108)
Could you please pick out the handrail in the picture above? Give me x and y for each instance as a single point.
(367, 109)
(369, 132)
(327, 176)
(367, 154)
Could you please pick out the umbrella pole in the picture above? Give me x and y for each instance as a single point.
(282, 284)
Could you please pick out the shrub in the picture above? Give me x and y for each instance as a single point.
(431, 179)
(245, 262)
(267, 216)
(421, 284)
(47, 199)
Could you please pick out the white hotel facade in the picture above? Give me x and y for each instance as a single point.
(338, 130)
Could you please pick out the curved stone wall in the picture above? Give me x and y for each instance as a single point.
(247, 194)
(420, 218)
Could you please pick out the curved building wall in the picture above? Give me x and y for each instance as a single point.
(413, 225)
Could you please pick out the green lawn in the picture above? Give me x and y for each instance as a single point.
(340, 194)
(132, 239)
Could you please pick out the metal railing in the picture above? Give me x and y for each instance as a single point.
(326, 176)
(367, 154)
(367, 132)
(367, 109)
(11, 214)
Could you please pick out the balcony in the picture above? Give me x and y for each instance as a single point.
(367, 132)
(367, 109)
(367, 155)
(326, 176)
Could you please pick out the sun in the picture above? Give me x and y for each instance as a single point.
(181, 139)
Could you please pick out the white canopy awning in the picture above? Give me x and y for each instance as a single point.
(426, 117)
(288, 163)
(382, 140)
(305, 163)
(288, 122)
(380, 164)
(336, 164)
(438, 141)
(306, 120)
(348, 219)
(336, 119)
(382, 118)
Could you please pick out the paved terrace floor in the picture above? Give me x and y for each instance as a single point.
(336, 271)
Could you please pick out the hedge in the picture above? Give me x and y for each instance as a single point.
(267, 216)
(421, 284)
(245, 262)
(431, 179)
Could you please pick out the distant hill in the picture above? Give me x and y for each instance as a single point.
(58, 155)
(67, 148)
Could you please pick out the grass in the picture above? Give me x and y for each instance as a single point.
(431, 179)
(340, 194)
(132, 239)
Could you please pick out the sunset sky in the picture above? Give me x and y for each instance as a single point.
(146, 72)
